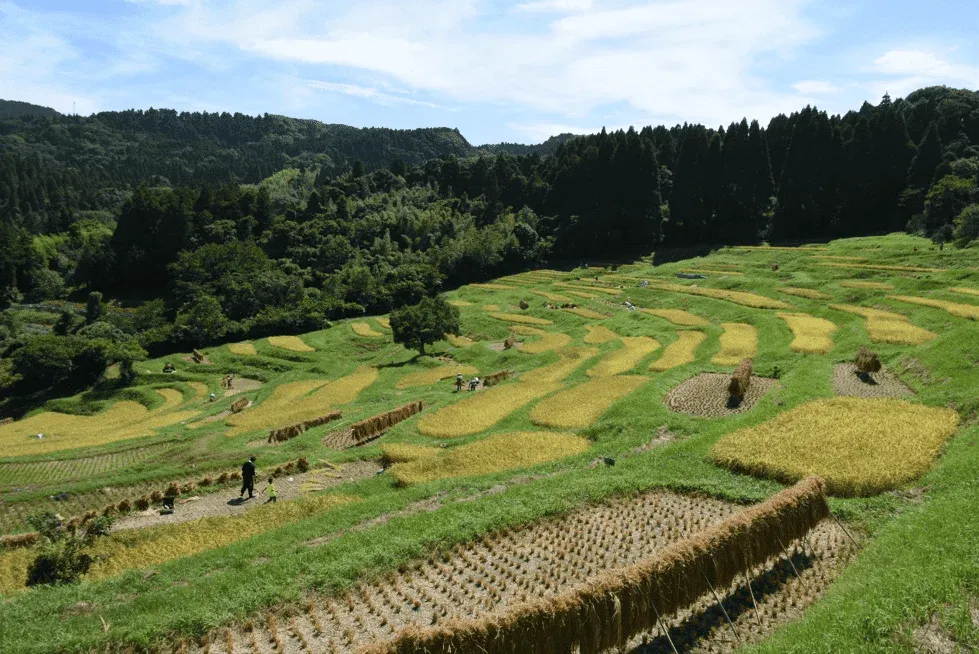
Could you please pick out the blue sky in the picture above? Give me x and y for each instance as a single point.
(518, 71)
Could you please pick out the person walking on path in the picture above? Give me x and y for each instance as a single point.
(459, 382)
(248, 478)
(270, 491)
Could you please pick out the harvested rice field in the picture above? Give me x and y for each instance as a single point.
(810, 334)
(482, 410)
(847, 381)
(808, 293)
(634, 349)
(677, 317)
(543, 341)
(242, 349)
(706, 395)
(970, 311)
(293, 343)
(739, 341)
(743, 298)
(888, 327)
(435, 375)
(680, 352)
(582, 405)
(859, 446)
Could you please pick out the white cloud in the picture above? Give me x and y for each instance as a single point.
(555, 6)
(368, 93)
(816, 87)
(907, 70)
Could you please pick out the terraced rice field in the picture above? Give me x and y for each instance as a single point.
(598, 334)
(583, 295)
(584, 312)
(460, 303)
(383, 322)
(482, 410)
(737, 297)
(364, 330)
(859, 446)
(810, 334)
(704, 271)
(55, 470)
(491, 307)
(739, 341)
(553, 297)
(293, 343)
(875, 286)
(493, 454)
(888, 327)
(581, 406)
(459, 341)
(544, 341)
(969, 311)
(808, 293)
(522, 319)
(677, 317)
(493, 287)
(589, 289)
(877, 266)
(242, 349)
(634, 349)
(965, 291)
(570, 359)
(435, 375)
(680, 352)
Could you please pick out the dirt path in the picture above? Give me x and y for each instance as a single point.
(226, 502)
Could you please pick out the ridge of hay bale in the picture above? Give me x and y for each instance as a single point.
(286, 433)
(373, 426)
(866, 361)
(741, 379)
(495, 378)
(614, 606)
(240, 405)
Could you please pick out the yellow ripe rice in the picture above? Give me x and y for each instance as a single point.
(482, 409)
(460, 303)
(677, 317)
(737, 297)
(293, 403)
(293, 343)
(965, 291)
(888, 327)
(521, 318)
(801, 248)
(553, 297)
(970, 311)
(493, 454)
(581, 406)
(811, 334)
(364, 330)
(404, 452)
(570, 360)
(590, 289)
(836, 257)
(599, 334)
(808, 293)
(200, 390)
(739, 341)
(494, 287)
(878, 286)
(705, 271)
(680, 352)
(587, 313)
(491, 307)
(633, 350)
(459, 341)
(858, 446)
(242, 349)
(874, 266)
(547, 341)
(586, 296)
(384, 322)
(435, 375)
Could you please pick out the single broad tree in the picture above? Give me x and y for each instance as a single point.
(424, 323)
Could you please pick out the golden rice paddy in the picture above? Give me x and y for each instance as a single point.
(583, 295)
(810, 334)
(859, 446)
(547, 340)
(482, 410)
(404, 452)
(570, 360)
(633, 350)
(459, 341)
(521, 318)
(303, 400)
(970, 311)
(877, 286)
(384, 322)
(491, 307)
(434, 375)
(737, 297)
(739, 341)
(680, 352)
(704, 271)
(589, 289)
(965, 291)
(801, 248)
(581, 406)
(364, 330)
(293, 343)
(874, 266)
(494, 287)
(834, 257)
(677, 317)
(587, 313)
(808, 293)
(242, 349)
(553, 297)
(888, 327)
(460, 303)
(493, 454)
(599, 334)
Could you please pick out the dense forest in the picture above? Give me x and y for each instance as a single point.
(207, 227)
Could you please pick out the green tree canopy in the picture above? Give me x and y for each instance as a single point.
(424, 323)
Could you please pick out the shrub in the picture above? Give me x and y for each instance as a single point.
(740, 380)
(65, 556)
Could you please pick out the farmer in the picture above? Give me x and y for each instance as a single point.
(270, 491)
(473, 383)
(459, 382)
(248, 478)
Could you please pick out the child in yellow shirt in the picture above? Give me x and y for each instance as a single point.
(270, 490)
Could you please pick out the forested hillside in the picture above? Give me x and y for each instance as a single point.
(225, 226)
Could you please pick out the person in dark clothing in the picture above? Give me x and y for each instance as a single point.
(248, 478)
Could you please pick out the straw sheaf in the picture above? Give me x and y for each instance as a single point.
(286, 433)
(607, 611)
(495, 378)
(367, 429)
(240, 405)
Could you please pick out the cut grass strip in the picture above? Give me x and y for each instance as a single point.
(737, 297)
(570, 360)
(859, 446)
(599, 334)
(680, 352)
(520, 318)
(494, 287)
(677, 317)
(810, 334)
(888, 327)
(364, 330)
(493, 454)
(877, 286)
(583, 405)
(969, 311)
(547, 341)
(460, 303)
(875, 266)
(293, 343)
(435, 375)
(293, 403)
(553, 297)
(586, 313)
(242, 349)
(739, 341)
(807, 293)
(482, 410)
(633, 350)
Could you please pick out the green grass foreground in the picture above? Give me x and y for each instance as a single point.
(919, 557)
